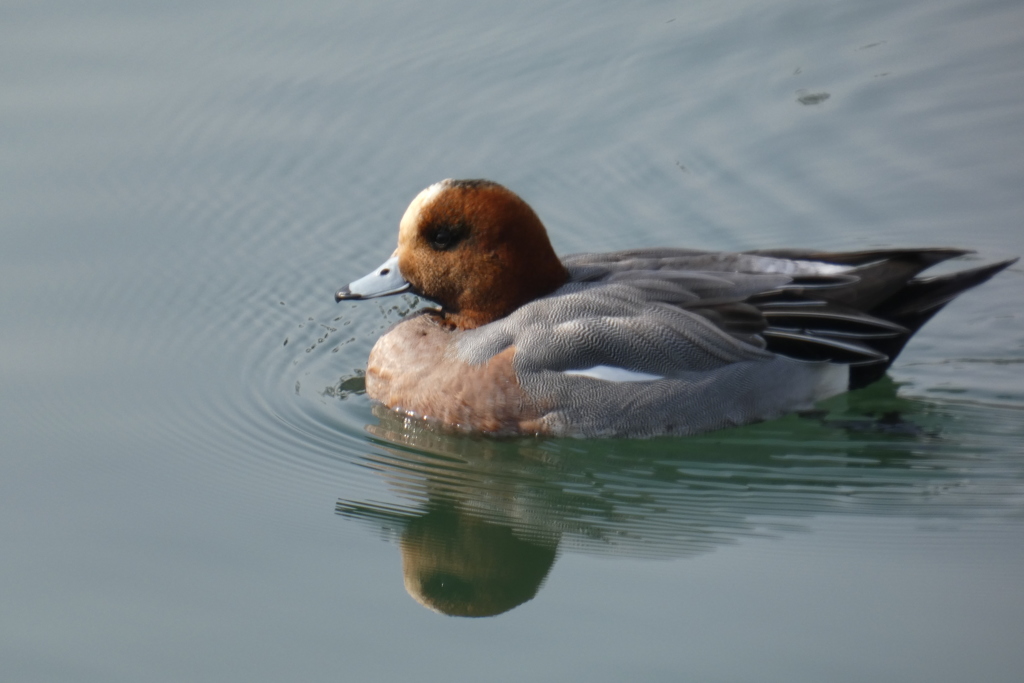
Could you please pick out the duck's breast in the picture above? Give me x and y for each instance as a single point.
(413, 369)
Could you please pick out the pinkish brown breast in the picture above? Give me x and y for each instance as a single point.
(411, 370)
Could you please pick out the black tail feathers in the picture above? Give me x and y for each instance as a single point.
(864, 316)
(911, 307)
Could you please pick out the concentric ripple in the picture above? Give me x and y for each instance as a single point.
(259, 204)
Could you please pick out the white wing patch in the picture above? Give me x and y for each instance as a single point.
(793, 267)
(609, 373)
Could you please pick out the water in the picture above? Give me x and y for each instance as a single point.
(193, 486)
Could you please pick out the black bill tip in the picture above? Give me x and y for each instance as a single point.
(346, 293)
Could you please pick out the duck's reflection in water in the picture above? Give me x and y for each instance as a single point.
(480, 521)
(462, 565)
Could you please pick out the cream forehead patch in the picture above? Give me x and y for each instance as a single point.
(429, 194)
(423, 199)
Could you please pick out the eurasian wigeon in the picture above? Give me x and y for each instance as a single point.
(630, 343)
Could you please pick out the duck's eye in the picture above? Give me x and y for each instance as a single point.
(444, 238)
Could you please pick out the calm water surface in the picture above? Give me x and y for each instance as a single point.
(194, 487)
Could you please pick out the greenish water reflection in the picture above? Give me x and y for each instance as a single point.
(480, 521)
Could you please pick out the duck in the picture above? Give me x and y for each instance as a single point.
(634, 343)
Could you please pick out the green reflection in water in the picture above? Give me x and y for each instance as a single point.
(479, 521)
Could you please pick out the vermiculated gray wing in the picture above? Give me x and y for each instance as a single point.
(637, 326)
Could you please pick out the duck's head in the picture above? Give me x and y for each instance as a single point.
(472, 246)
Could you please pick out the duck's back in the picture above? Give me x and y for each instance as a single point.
(649, 342)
